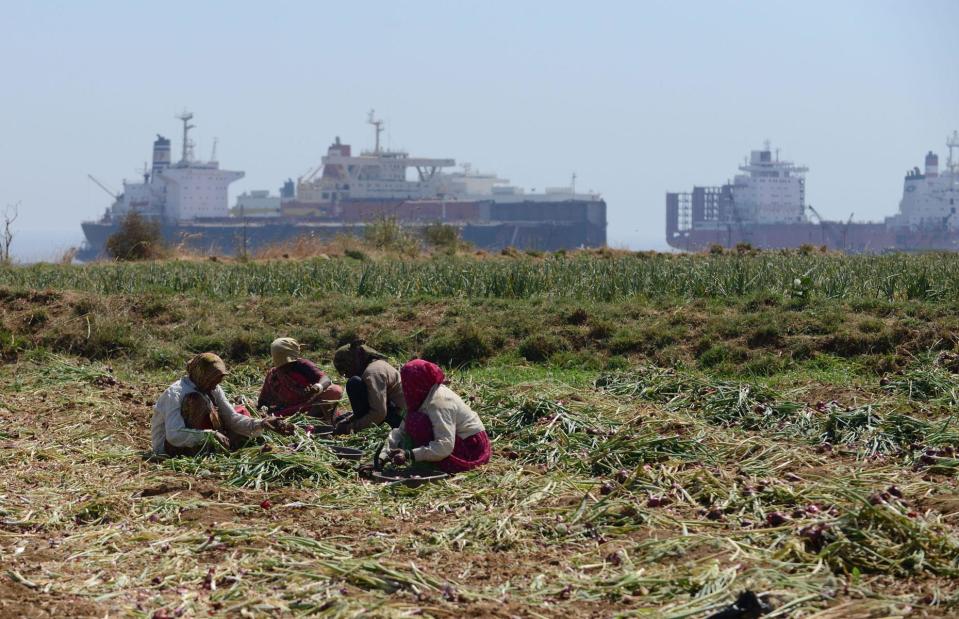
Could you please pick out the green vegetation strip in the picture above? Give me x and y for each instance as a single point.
(607, 277)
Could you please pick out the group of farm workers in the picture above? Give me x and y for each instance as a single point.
(429, 422)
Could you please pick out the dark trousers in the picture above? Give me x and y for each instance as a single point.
(359, 397)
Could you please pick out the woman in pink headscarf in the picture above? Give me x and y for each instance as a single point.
(441, 428)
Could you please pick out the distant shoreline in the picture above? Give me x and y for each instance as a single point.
(31, 245)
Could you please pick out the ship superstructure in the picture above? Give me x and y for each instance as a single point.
(345, 184)
(930, 197)
(345, 193)
(771, 191)
(767, 209)
(172, 192)
(768, 191)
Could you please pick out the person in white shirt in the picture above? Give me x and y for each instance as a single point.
(441, 428)
(195, 408)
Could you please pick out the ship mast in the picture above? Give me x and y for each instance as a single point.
(952, 142)
(378, 127)
(187, 147)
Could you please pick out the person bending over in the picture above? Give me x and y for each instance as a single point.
(439, 427)
(373, 387)
(195, 408)
(295, 385)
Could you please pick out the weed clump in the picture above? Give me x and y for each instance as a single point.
(541, 347)
(719, 354)
(137, 239)
(103, 341)
(443, 236)
(464, 346)
(388, 235)
(764, 336)
(243, 346)
(10, 345)
(578, 316)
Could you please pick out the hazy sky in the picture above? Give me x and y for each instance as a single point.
(638, 98)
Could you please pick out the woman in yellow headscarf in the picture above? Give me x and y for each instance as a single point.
(295, 385)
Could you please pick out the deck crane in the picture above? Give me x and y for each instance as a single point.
(823, 225)
(845, 231)
(102, 186)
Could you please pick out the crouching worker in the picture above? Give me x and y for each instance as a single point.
(373, 387)
(295, 385)
(439, 427)
(195, 408)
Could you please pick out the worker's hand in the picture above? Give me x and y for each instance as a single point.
(278, 425)
(400, 457)
(314, 389)
(222, 440)
(366, 470)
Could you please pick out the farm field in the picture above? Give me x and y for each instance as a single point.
(668, 431)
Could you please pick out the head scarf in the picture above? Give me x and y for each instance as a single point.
(419, 377)
(284, 350)
(204, 368)
(344, 359)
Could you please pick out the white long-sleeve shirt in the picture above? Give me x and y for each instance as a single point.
(168, 424)
(451, 418)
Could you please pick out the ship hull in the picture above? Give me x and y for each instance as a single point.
(853, 237)
(545, 226)
(847, 237)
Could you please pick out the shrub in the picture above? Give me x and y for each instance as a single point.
(576, 317)
(462, 347)
(388, 235)
(37, 318)
(801, 349)
(242, 346)
(601, 329)
(719, 354)
(86, 305)
(391, 343)
(10, 345)
(764, 335)
(541, 347)
(443, 236)
(105, 340)
(649, 339)
(763, 300)
(137, 239)
(871, 325)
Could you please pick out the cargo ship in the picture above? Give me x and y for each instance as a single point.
(342, 195)
(765, 207)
